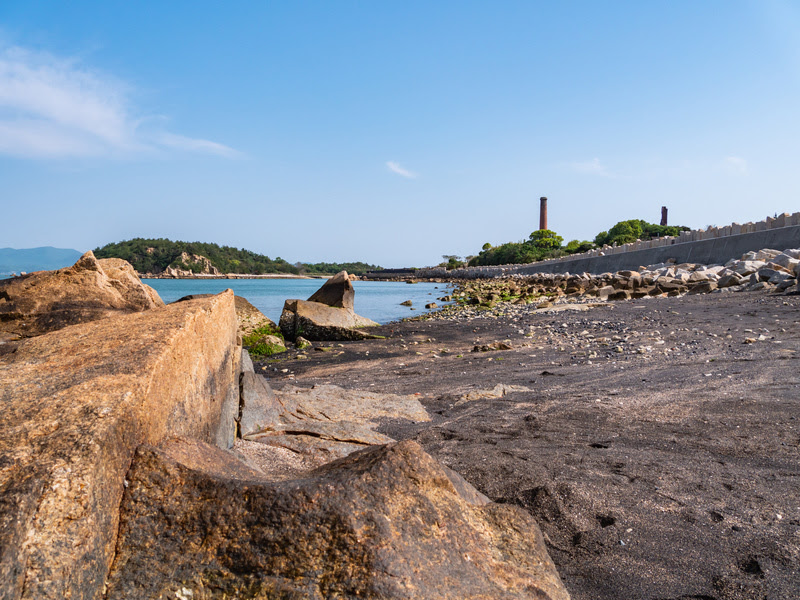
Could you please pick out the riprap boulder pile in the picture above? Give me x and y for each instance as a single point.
(769, 270)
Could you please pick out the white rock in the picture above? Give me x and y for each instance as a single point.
(748, 267)
(767, 254)
(783, 259)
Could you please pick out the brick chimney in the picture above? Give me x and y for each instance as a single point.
(663, 215)
(543, 212)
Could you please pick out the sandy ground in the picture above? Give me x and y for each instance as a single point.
(657, 444)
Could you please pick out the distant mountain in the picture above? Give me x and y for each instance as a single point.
(45, 258)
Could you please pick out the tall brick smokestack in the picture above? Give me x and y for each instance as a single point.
(664, 216)
(543, 212)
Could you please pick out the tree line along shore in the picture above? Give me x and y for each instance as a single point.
(160, 257)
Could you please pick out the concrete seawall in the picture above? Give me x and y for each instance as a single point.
(713, 251)
(717, 250)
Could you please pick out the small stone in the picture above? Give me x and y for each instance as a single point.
(301, 343)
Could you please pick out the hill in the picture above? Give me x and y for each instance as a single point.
(155, 255)
(45, 258)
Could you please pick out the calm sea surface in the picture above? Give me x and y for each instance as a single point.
(376, 300)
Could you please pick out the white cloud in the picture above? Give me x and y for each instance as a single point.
(179, 142)
(736, 164)
(52, 107)
(591, 167)
(396, 168)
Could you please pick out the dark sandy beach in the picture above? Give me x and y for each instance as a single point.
(657, 441)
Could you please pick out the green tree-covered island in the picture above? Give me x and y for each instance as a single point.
(155, 256)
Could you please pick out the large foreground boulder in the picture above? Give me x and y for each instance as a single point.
(249, 318)
(90, 289)
(259, 333)
(76, 403)
(386, 522)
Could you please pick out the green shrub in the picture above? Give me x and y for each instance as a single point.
(258, 346)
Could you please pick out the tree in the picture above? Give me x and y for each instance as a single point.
(453, 261)
(635, 229)
(546, 239)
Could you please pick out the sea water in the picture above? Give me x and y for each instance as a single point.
(376, 300)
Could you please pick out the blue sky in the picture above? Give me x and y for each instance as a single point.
(390, 132)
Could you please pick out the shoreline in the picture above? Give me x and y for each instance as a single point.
(236, 276)
(627, 429)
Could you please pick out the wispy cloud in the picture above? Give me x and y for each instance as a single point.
(591, 167)
(51, 107)
(396, 168)
(737, 165)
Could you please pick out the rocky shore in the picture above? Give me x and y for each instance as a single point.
(181, 274)
(654, 438)
(767, 270)
(143, 457)
(625, 435)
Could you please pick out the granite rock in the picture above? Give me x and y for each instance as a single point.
(327, 422)
(386, 522)
(76, 404)
(319, 322)
(337, 291)
(248, 316)
(91, 289)
(257, 404)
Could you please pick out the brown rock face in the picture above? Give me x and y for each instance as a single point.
(248, 316)
(76, 403)
(386, 522)
(202, 266)
(90, 289)
(338, 291)
(316, 321)
(322, 423)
